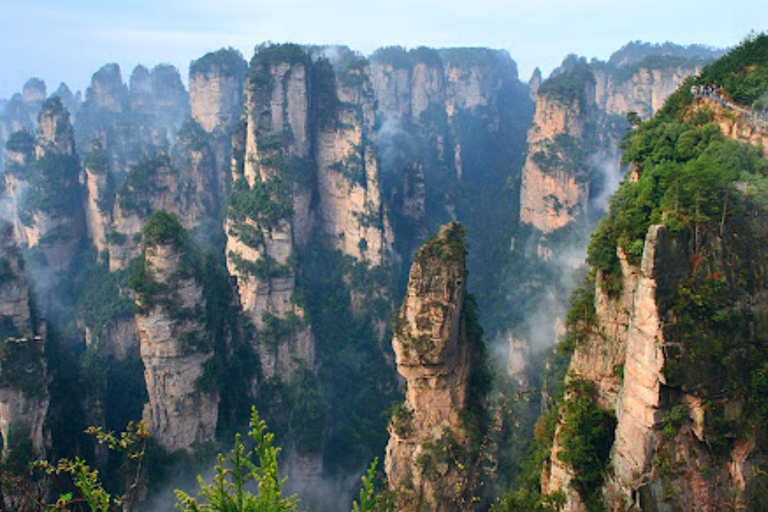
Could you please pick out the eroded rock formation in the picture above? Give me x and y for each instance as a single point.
(24, 397)
(428, 454)
(174, 344)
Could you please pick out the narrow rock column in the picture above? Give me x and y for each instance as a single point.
(428, 455)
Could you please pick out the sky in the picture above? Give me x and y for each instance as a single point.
(68, 40)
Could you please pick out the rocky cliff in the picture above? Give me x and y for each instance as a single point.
(577, 128)
(21, 111)
(45, 194)
(268, 215)
(24, 397)
(429, 453)
(174, 344)
(663, 403)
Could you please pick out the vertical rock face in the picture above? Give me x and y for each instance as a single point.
(579, 114)
(552, 192)
(49, 209)
(216, 89)
(644, 92)
(427, 461)
(174, 344)
(132, 123)
(350, 211)
(24, 395)
(21, 112)
(269, 208)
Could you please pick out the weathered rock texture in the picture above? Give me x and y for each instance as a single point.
(661, 456)
(576, 133)
(552, 192)
(277, 135)
(46, 197)
(216, 89)
(427, 461)
(20, 113)
(307, 149)
(175, 348)
(24, 397)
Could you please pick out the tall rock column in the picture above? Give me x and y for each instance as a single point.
(50, 211)
(24, 397)
(438, 352)
(268, 214)
(174, 346)
(350, 212)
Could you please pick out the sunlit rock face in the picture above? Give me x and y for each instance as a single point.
(435, 356)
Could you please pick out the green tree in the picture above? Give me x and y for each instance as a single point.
(227, 492)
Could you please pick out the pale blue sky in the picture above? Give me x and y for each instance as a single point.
(67, 40)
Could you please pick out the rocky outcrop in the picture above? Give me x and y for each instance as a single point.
(46, 197)
(21, 112)
(262, 237)
(742, 125)
(174, 344)
(427, 461)
(576, 133)
(132, 123)
(552, 193)
(24, 397)
(350, 211)
(644, 92)
(216, 83)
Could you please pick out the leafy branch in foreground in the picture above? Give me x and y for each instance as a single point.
(227, 492)
(132, 442)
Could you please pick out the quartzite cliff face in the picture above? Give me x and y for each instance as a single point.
(428, 455)
(175, 345)
(24, 397)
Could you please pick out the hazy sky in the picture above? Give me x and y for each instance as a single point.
(67, 40)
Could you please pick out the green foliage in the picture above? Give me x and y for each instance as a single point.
(268, 55)
(325, 97)
(226, 61)
(234, 472)
(354, 379)
(101, 299)
(687, 181)
(586, 437)
(140, 184)
(266, 202)
(21, 142)
(569, 86)
(368, 499)
(352, 167)
(132, 443)
(743, 72)
(141, 281)
(22, 366)
(97, 161)
(192, 135)
(581, 319)
(164, 228)
(448, 247)
(53, 186)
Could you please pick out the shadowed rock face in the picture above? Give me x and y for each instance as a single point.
(433, 354)
(24, 397)
(175, 348)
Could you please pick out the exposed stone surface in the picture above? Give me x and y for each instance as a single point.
(216, 83)
(50, 224)
(551, 198)
(644, 92)
(556, 196)
(24, 397)
(433, 354)
(174, 348)
(271, 113)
